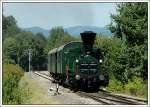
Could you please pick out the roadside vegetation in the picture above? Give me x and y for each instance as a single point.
(126, 52)
(11, 76)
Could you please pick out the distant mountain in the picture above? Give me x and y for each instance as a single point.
(36, 30)
(75, 31)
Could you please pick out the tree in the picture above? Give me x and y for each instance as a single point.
(9, 50)
(10, 27)
(131, 22)
(39, 60)
(68, 38)
(56, 38)
(16, 48)
(131, 25)
(26, 41)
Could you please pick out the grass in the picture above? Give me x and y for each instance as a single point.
(32, 93)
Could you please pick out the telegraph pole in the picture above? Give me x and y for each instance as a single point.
(29, 60)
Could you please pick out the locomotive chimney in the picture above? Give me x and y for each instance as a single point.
(88, 38)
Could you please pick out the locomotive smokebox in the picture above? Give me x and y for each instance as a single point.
(88, 38)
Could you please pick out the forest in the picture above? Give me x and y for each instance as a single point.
(126, 52)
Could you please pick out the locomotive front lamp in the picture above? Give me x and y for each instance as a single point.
(77, 60)
(100, 60)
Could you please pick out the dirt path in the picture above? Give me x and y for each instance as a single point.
(41, 91)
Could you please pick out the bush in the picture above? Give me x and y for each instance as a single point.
(11, 76)
(137, 87)
(115, 86)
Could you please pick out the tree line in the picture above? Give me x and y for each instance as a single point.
(17, 42)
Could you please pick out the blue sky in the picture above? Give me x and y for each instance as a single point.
(47, 15)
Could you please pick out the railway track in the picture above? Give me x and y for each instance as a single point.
(112, 99)
(105, 97)
(123, 97)
(44, 75)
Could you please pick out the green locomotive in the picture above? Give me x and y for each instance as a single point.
(77, 63)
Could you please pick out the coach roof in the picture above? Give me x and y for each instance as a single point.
(61, 47)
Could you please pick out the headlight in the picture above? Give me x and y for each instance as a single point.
(100, 60)
(77, 60)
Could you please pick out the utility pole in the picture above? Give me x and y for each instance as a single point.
(29, 60)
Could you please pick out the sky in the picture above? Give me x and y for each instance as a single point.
(48, 15)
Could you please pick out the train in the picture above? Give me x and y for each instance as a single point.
(77, 63)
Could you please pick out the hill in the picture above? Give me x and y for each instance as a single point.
(75, 31)
(78, 29)
(37, 29)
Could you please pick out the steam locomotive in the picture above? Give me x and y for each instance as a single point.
(78, 64)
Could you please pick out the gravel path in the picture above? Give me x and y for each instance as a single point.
(48, 90)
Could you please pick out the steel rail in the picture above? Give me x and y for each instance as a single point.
(118, 99)
(109, 100)
(93, 97)
(123, 96)
(46, 76)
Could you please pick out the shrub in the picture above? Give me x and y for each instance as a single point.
(137, 87)
(115, 86)
(11, 76)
